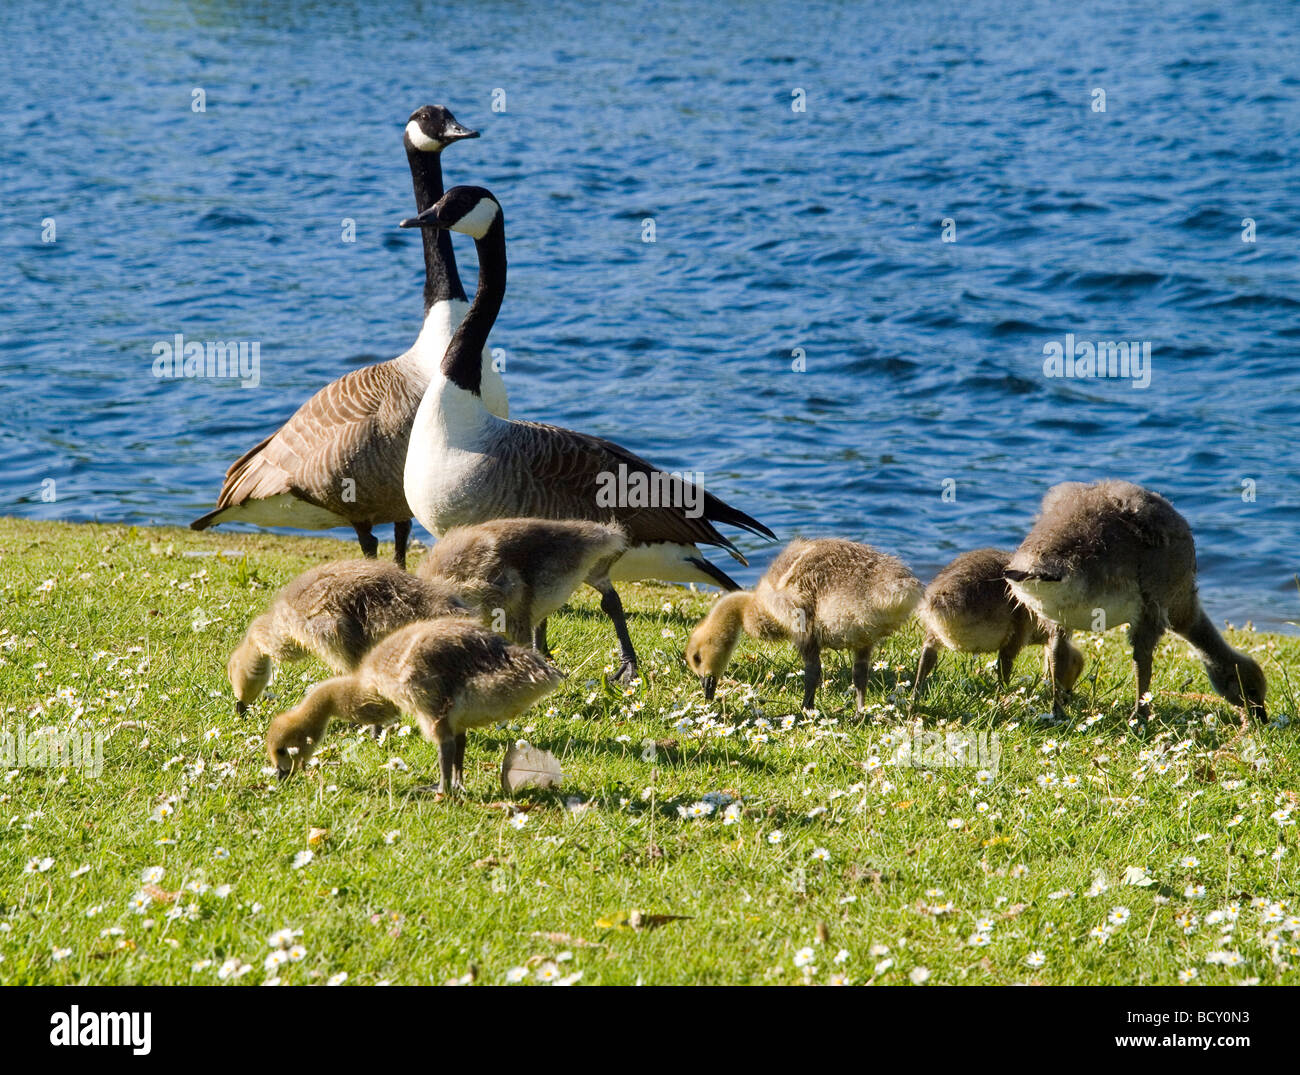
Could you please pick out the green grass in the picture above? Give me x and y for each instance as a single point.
(130, 638)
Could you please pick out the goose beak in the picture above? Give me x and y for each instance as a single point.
(241, 708)
(283, 774)
(454, 132)
(427, 219)
(710, 685)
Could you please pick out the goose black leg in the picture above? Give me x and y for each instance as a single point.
(369, 543)
(1143, 635)
(812, 672)
(401, 537)
(447, 762)
(1058, 650)
(458, 771)
(612, 606)
(861, 673)
(1007, 661)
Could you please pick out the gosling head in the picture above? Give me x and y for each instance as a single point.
(709, 650)
(1242, 683)
(290, 743)
(249, 671)
(432, 128)
(447, 599)
(471, 211)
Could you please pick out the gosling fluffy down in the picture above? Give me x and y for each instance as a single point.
(969, 607)
(517, 572)
(336, 612)
(449, 674)
(826, 593)
(1113, 553)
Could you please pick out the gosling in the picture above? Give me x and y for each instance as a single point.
(969, 608)
(1114, 553)
(518, 571)
(450, 674)
(337, 612)
(821, 594)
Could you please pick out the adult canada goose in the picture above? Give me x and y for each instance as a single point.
(1112, 553)
(338, 461)
(466, 465)
(969, 608)
(449, 674)
(337, 612)
(821, 594)
(519, 571)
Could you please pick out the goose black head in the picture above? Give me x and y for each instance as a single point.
(432, 128)
(469, 210)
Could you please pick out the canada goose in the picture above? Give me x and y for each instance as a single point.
(338, 461)
(821, 594)
(337, 611)
(1110, 553)
(467, 466)
(519, 571)
(449, 674)
(969, 608)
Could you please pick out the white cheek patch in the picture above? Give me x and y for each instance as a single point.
(420, 140)
(478, 220)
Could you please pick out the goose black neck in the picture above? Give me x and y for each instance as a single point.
(463, 362)
(441, 280)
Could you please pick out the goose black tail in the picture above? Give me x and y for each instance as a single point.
(715, 573)
(204, 521)
(719, 511)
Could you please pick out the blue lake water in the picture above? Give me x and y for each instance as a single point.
(775, 230)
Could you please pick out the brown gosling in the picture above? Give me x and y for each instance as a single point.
(822, 594)
(1114, 553)
(969, 608)
(337, 612)
(449, 674)
(518, 571)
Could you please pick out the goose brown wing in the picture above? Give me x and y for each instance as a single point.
(571, 468)
(362, 412)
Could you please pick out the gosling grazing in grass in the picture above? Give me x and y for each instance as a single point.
(969, 608)
(1112, 553)
(448, 674)
(821, 594)
(337, 611)
(519, 571)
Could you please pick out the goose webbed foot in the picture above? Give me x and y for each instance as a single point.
(627, 671)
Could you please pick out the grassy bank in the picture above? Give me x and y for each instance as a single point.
(184, 855)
